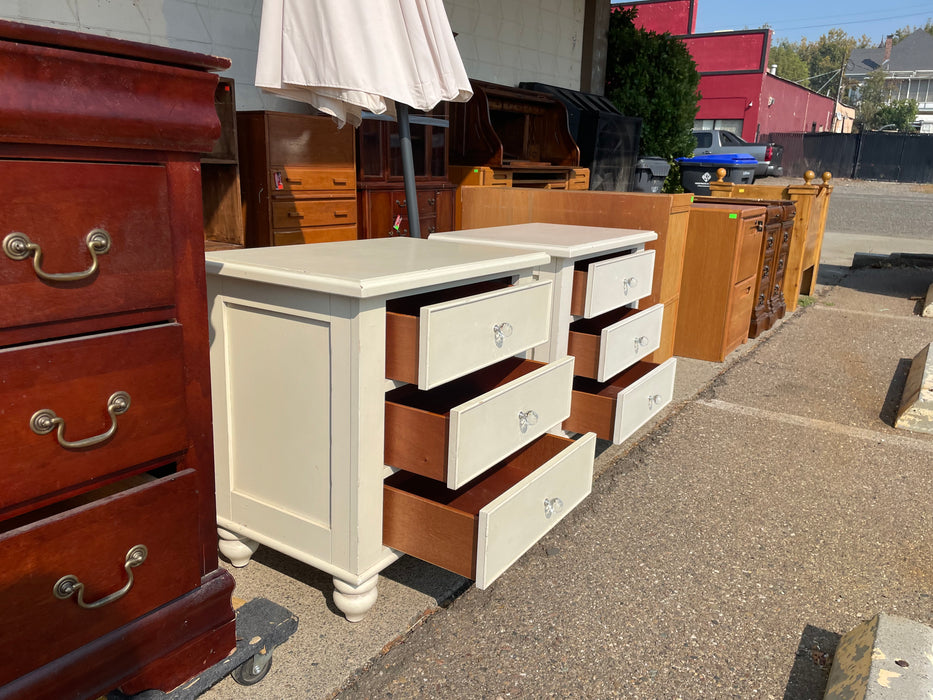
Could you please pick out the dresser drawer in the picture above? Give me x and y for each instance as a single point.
(291, 213)
(436, 342)
(605, 345)
(53, 215)
(481, 529)
(607, 284)
(299, 179)
(314, 234)
(455, 432)
(91, 542)
(741, 305)
(76, 381)
(614, 410)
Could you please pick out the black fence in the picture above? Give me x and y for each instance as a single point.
(873, 155)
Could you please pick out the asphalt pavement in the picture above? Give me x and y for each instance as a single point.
(724, 550)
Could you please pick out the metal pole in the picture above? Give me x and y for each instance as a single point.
(408, 170)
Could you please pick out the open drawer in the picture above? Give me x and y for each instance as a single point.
(481, 529)
(457, 431)
(608, 283)
(432, 338)
(614, 410)
(605, 345)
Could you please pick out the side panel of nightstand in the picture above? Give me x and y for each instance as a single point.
(314, 425)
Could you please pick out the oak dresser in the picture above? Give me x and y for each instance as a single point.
(108, 563)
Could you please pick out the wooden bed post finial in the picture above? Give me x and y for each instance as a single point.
(808, 176)
(827, 176)
(722, 173)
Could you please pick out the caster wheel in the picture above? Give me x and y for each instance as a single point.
(252, 671)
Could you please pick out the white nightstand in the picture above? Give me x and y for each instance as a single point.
(374, 397)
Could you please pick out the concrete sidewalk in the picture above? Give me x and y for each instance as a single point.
(724, 550)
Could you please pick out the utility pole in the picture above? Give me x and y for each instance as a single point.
(842, 75)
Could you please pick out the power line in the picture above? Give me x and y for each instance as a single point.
(833, 25)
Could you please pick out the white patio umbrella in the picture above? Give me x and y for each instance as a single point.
(346, 56)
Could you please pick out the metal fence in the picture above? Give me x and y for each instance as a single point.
(871, 155)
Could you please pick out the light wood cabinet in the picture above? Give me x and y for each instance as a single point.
(298, 179)
(599, 279)
(812, 204)
(396, 411)
(108, 563)
(721, 274)
(665, 214)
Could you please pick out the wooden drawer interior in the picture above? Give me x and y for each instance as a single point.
(438, 525)
(90, 541)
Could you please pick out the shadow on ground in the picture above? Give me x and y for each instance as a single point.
(814, 658)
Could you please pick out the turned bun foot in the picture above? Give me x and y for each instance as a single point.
(237, 549)
(355, 601)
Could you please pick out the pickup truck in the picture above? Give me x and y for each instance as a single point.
(716, 141)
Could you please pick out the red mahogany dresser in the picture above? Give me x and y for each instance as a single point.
(108, 562)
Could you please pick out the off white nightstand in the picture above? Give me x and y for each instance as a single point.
(598, 275)
(374, 397)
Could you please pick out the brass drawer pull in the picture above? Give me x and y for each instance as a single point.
(44, 421)
(401, 204)
(68, 585)
(432, 202)
(17, 246)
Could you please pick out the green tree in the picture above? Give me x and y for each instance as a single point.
(790, 65)
(900, 113)
(872, 96)
(653, 76)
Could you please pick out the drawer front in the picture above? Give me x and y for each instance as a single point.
(749, 253)
(463, 335)
(298, 179)
(75, 380)
(742, 303)
(91, 543)
(628, 341)
(49, 212)
(615, 282)
(314, 234)
(427, 203)
(643, 400)
(511, 524)
(479, 530)
(494, 425)
(292, 213)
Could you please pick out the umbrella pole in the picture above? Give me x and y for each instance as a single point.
(408, 169)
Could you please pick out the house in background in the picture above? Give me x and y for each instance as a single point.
(739, 92)
(908, 67)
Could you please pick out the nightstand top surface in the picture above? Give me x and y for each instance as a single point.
(557, 240)
(372, 267)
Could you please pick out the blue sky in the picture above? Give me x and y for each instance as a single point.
(793, 19)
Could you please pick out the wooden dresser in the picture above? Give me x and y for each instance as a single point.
(391, 355)
(297, 178)
(598, 276)
(775, 246)
(108, 562)
(383, 208)
(812, 202)
(722, 265)
(665, 214)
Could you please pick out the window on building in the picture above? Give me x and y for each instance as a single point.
(731, 125)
